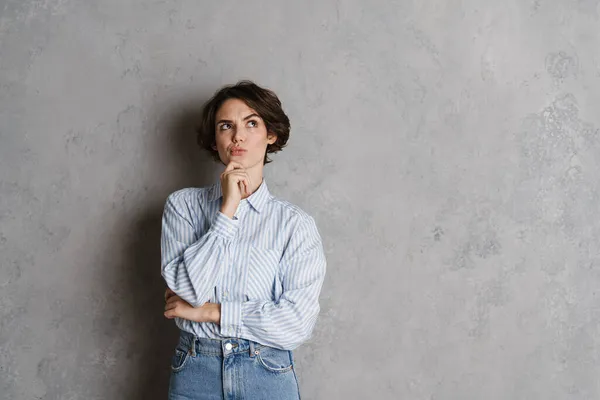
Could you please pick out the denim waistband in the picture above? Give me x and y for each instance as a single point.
(217, 347)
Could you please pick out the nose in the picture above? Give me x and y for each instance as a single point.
(238, 135)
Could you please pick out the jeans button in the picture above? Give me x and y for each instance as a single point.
(228, 346)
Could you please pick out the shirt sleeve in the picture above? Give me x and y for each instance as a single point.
(288, 322)
(191, 266)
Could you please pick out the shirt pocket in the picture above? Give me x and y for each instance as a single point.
(263, 282)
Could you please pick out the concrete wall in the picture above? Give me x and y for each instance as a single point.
(449, 151)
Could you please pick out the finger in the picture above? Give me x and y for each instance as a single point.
(238, 173)
(248, 182)
(228, 168)
(173, 299)
(236, 165)
(170, 306)
(169, 314)
(234, 171)
(241, 176)
(233, 165)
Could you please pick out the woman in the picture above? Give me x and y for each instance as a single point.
(244, 268)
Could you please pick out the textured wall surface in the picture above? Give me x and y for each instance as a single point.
(448, 150)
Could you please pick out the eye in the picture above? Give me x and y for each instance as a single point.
(253, 123)
(224, 126)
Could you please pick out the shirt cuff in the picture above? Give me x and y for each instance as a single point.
(231, 319)
(225, 226)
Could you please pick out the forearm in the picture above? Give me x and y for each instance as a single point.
(283, 325)
(211, 313)
(176, 307)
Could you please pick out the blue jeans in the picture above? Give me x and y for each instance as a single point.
(231, 369)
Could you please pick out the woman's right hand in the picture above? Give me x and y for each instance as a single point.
(235, 182)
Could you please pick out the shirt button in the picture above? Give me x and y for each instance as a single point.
(225, 294)
(228, 346)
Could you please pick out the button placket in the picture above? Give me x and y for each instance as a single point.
(228, 264)
(242, 208)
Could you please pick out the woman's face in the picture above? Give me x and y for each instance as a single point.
(239, 126)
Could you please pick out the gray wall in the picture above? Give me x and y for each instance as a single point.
(448, 151)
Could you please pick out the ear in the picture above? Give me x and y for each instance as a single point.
(271, 137)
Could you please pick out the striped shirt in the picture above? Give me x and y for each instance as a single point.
(265, 266)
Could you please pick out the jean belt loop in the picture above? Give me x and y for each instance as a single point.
(251, 348)
(193, 345)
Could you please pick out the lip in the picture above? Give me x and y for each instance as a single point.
(237, 152)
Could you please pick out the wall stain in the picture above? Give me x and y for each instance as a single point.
(438, 232)
(558, 157)
(480, 244)
(560, 65)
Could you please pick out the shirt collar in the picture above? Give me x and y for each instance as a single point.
(257, 200)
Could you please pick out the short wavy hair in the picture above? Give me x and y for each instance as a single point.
(264, 101)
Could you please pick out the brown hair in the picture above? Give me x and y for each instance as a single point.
(264, 101)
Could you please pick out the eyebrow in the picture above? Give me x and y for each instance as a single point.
(245, 118)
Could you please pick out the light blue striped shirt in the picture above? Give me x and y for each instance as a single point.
(265, 266)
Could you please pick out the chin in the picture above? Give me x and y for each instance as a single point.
(238, 161)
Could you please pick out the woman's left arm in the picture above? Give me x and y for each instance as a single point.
(177, 307)
(289, 322)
